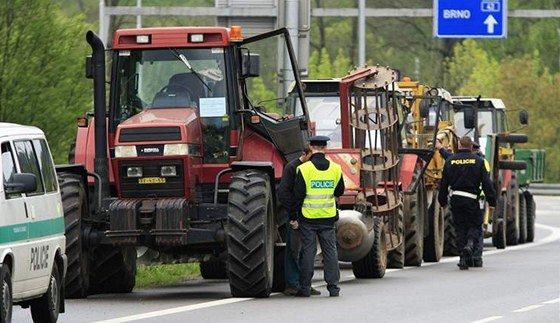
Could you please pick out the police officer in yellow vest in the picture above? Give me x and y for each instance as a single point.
(464, 173)
(318, 182)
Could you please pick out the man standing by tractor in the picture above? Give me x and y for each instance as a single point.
(287, 201)
(318, 182)
(464, 172)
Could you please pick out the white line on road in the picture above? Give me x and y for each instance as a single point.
(548, 239)
(488, 319)
(552, 301)
(527, 308)
(174, 310)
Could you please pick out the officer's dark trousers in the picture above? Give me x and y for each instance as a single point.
(468, 220)
(327, 240)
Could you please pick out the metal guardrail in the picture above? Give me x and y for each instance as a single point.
(544, 189)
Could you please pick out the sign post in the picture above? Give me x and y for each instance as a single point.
(470, 18)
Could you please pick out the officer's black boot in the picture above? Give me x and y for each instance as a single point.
(466, 258)
(469, 251)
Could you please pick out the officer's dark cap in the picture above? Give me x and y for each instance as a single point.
(319, 140)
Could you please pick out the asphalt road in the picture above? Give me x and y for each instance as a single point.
(518, 284)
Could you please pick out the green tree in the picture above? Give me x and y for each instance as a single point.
(42, 70)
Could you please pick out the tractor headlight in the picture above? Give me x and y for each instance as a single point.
(134, 172)
(168, 171)
(175, 149)
(125, 151)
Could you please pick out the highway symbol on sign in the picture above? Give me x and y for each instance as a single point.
(470, 18)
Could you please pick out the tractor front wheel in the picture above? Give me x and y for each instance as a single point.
(250, 235)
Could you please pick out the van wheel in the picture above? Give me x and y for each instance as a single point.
(45, 309)
(6, 295)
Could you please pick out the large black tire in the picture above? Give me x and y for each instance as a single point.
(512, 164)
(450, 242)
(214, 268)
(414, 213)
(512, 225)
(395, 257)
(498, 224)
(74, 203)
(433, 242)
(522, 218)
(373, 265)
(113, 270)
(46, 308)
(250, 235)
(513, 138)
(531, 207)
(6, 295)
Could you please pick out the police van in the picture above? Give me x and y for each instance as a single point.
(32, 243)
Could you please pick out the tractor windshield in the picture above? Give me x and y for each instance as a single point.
(159, 78)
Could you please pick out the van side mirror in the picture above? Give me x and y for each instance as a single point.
(468, 120)
(22, 183)
(89, 67)
(523, 117)
(250, 64)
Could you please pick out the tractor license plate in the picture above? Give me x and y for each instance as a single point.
(151, 180)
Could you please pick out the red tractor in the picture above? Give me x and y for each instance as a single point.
(185, 159)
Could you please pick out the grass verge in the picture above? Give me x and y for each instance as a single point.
(147, 276)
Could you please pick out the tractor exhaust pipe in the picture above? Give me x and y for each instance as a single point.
(101, 165)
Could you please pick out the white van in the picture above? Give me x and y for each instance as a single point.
(32, 243)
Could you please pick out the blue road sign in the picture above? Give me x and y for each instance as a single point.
(470, 18)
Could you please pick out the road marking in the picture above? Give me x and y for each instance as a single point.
(552, 301)
(548, 239)
(527, 308)
(174, 310)
(488, 319)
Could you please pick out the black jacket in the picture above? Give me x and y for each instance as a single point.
(285, 190)
(465, 171)
(321, 163)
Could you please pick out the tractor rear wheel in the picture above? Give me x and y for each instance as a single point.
(522, 218)
(531, 207)
(214, 268)
(433, 243)
(373, 265)
(395, 257)
(113, 269)
(450, 238)
(513, 214)
(75, 206)
(498, 224)
(250, 234)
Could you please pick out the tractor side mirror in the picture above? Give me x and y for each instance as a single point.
(468, 117)
(250, 64)
(523, 117)
(424, 108)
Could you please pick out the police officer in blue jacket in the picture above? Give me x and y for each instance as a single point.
(464, 173)
(318, 183)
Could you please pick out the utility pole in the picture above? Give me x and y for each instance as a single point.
(362, 33)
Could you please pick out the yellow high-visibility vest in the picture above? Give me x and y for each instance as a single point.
(319, 200)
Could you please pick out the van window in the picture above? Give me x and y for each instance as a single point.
(28, 163)
(8, 167)
(46, 164)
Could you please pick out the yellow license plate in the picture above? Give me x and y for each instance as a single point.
(151, 180)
